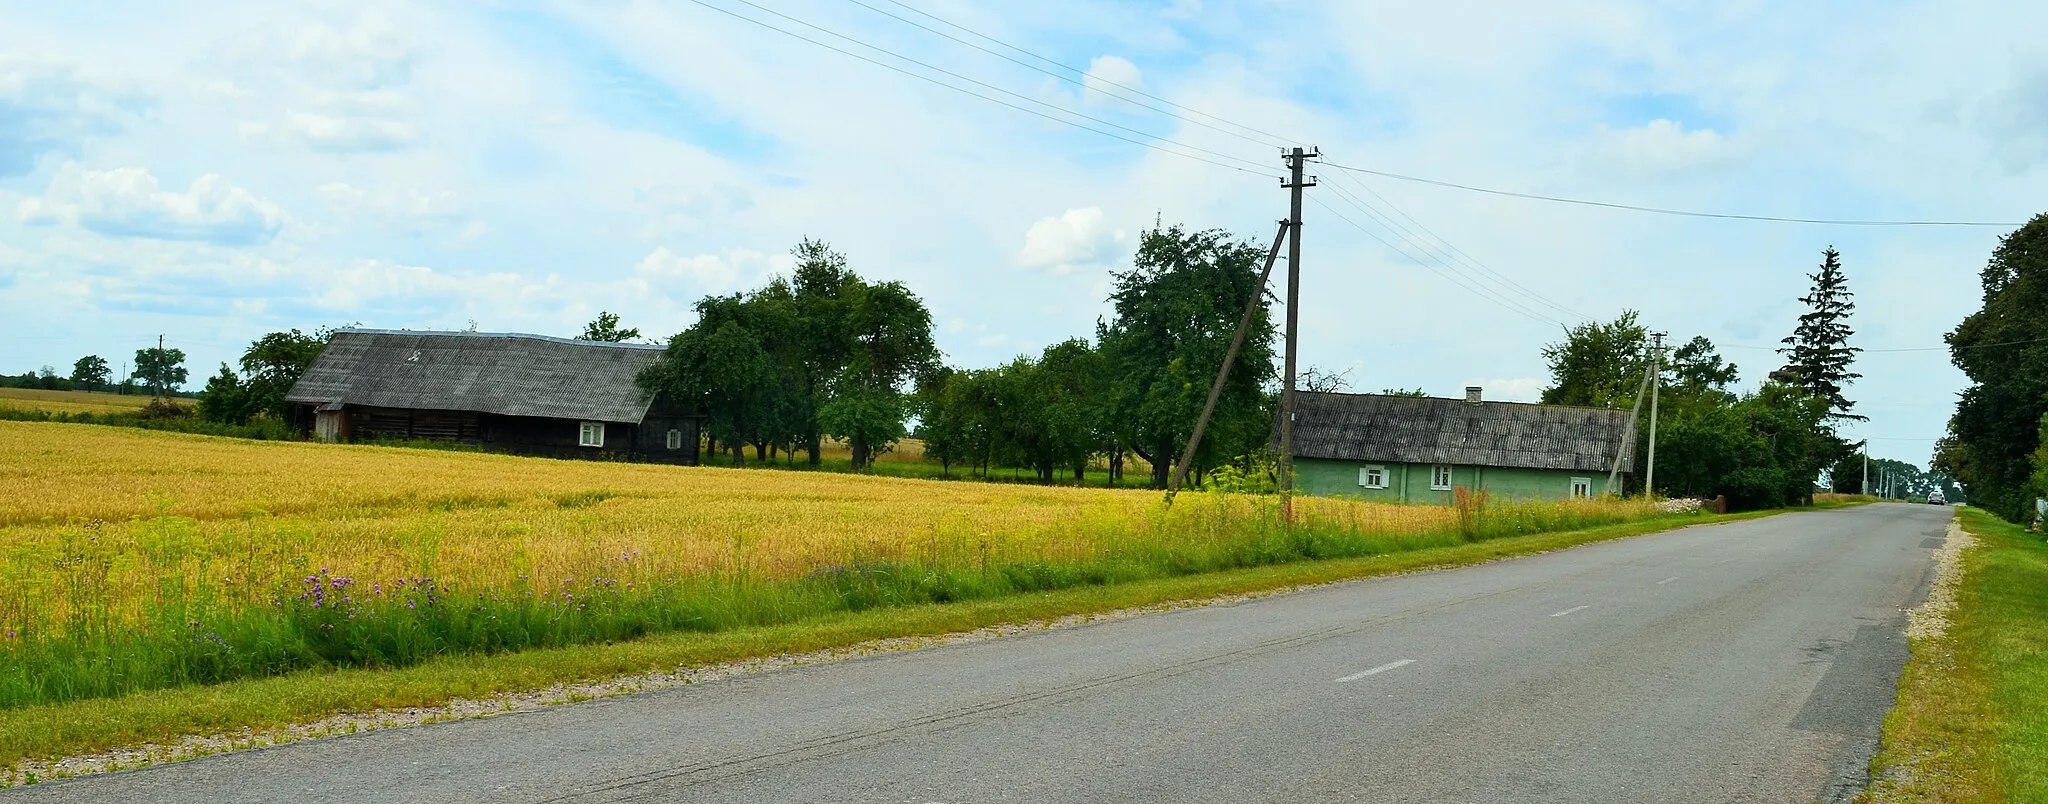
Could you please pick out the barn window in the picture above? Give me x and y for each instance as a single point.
(675, 439)
(590, 434)
(1582, 487)
(1440, 477)
(1372, 477)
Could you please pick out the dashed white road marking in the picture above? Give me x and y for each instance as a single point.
(1667, 580)
(1570, 610)
(1380, 669)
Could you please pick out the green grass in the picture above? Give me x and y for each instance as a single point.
(80, 726)
(1971, 722)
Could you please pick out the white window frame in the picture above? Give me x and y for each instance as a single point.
(1441, 477)
(1366, 472)
(590, 434)
(675, 438)
(1582, 483)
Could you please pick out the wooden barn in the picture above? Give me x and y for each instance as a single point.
(1421, 449)
(527, 394)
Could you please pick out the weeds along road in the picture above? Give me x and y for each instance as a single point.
(1750, 661)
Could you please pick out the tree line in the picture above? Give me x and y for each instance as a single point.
(1763, 448)
(1997, 440)
(158, 370)
(827, 353)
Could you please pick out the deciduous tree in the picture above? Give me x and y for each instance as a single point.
(2003, 348)
(1598, 365)
(1175, 311)
(273, 363)
(161, 369)
(91, 373)
(226, 399)
(606, 329)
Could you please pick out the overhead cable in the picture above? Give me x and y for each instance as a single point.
(1660, 210)
(1271, 140)
(842, 51)
(1909, 349)
(1448, 276)
(1453, 251)
(1256, 169)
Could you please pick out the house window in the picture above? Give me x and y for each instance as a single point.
(1440, 477)
(590, 434)
(1372, 477)
(1582, 487)
(675, 439)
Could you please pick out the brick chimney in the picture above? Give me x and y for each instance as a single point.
(1472, 394)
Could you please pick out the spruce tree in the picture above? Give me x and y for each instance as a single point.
(1818, 354)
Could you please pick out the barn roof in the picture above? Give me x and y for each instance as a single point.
(489, 372)
(1406, 429)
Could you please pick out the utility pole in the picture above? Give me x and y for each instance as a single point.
(159, 357)
(1628, 437)
(1656, 380)
(1865, 487)
(1295, 183)
(1251, 305)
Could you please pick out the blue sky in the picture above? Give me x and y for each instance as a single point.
(214, 171)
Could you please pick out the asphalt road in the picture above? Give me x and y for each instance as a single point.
(1750, 661)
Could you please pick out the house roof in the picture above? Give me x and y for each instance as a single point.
(489, 372)
(1405, 429)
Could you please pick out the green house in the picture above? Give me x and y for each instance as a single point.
(1421, 449)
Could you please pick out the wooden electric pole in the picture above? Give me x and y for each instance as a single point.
(1284, 472)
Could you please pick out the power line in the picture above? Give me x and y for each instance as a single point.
(1659, 210)
(1272, 140)
(1459, 254)
(1910, 349)
(1448, 271)
(962, 90)
(1451, 277)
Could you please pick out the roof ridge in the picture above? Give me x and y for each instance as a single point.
(1458, 399)
(521, 335)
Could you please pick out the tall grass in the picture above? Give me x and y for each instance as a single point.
(132, 561)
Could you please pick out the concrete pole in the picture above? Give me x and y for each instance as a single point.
(1296, 160)
(1251, 305)
(1656, 380)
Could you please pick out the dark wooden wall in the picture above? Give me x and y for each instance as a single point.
(530, 435)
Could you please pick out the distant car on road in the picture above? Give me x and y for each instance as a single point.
(1936, 498)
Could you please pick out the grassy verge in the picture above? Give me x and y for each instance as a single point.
(1971, 722)
(92, 725)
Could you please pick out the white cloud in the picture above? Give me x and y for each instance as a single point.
(1109, 77)
(1081, 237)
(346, 134)
(126, 202)
(704, 273)
(1665, 146)
(407, 209)
(333, 87)
(47, 107)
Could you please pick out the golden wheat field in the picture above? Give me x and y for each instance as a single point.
(70, 401)
(106, 517)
